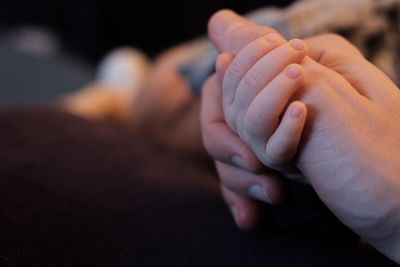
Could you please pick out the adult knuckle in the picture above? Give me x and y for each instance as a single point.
(334, 37)
(256, 31)
(336, 40)
(265, 30)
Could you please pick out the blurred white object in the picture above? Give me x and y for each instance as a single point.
(124, 69)
(121, 75)
(32, 40)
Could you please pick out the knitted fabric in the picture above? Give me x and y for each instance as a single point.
(371, 25)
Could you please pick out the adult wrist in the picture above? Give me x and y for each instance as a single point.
(389, 244)
(389, 227)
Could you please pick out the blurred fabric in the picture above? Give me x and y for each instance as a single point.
(80, 193)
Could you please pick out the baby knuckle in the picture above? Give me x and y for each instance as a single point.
(253, 78)
(235, 70)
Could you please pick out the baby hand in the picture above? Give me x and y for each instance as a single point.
(258, 85)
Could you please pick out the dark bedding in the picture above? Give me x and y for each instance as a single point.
(79, 193)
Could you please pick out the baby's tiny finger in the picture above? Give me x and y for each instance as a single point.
(245, 59)
(283, 144)
(262, 117)
(262, 73)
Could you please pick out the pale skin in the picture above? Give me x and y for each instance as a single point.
(275, 145)
(349, 147)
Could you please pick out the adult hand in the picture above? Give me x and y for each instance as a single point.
(345, 157)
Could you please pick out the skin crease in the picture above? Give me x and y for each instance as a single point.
(348, 151)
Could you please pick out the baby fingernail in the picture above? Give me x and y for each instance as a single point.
(296, 111)
(257, 192)
(297, 44)
(293, 71)
(272, 37)
(239, 162)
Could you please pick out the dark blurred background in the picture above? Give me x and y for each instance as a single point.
(92, 27)
(74, 34)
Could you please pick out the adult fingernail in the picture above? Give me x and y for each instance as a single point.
(239, 162)
(225, 22)
(257, 192)
(297, 44)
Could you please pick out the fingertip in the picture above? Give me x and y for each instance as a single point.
(300, 47)
(238, 161)
(283, 145)
(298, 44)
(214, 19)
(297, 109)
(245, 212)
(258, 192)
(268, 189)
(248, 222)
(275, 189)
(295, 71)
